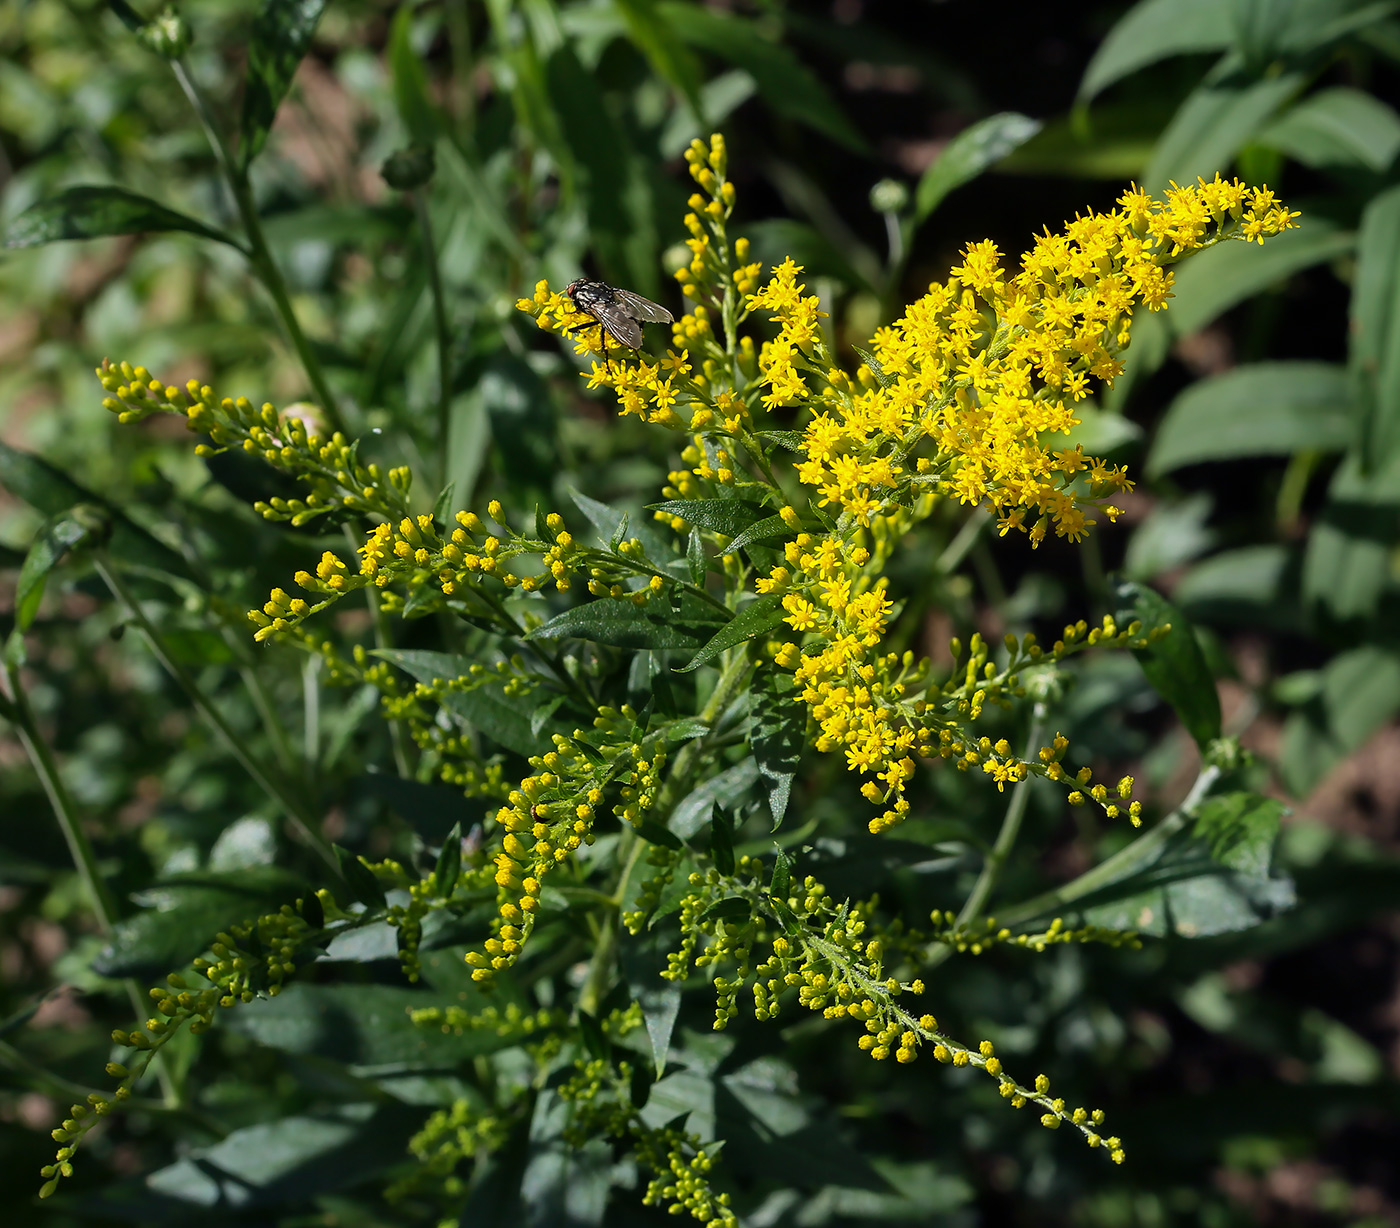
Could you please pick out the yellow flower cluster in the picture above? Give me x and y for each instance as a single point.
(985, 365)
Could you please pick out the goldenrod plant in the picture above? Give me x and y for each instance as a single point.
(758, 625)
(479, 767)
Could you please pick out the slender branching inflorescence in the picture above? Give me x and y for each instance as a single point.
(966, 398)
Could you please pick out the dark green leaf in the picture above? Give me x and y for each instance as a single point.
(1213, 281)
(1213, 125)
(1174, 664)
(653, 833)
(1345, 567)
(793, 441)
(761, 530)
(1340, 126)
(290, 1160)
(182, 913)
(625, 624)
(758, 617)
(722, 841)
(1360, 693)
(91, 211)
(778, 720)
(51, 544)
(51, 491)
(1154, 30)
(685, 730)
(651, 29)
(788, 86)
(281, 37)
(594, 1041)
(968, 154)
(484, 705)
(442, 506)
(431, 810)
(1263, 409)
(726, 789)
(781, 882)
(1251, 586)
(731, 908)
(449, 862)
(728, 516)
(364, 886)
(1375, 328)
(695, 557)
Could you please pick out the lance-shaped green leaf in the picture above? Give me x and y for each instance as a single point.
(359, 878)
(411, 98)
(92, 211)
(282, 33)
(761, 530)
(1173, 664)
(758, 617)
(1153, 30)
(618, 621)
(968, 154)
(778, 720)
(52, 542)
(728, 516)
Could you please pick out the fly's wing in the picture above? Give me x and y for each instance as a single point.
(620, 327)
(640, 308)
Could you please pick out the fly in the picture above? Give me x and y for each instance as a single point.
(618, 314)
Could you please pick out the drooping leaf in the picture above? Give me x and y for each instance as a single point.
(1155, 30)
(758, 617)
(778, 720)
(968, 154)
(1262, 409)
(1173, 664)
(93, 211)
(281, 36)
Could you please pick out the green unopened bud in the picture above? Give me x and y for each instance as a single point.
(889, 196)
(406, 169)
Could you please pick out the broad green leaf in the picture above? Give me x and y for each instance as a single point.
(623, 623)
(784, 82)
(290, 1160)
(728, 516)
(778, 726)
(1174, 664)
(431, 810)
(1345, 568)
(366, 1027)
(1360, 693)
(968, 154)
(1154, 30)
(281, 37)
(727, 789)
(1340, 126)
(759, 616)
(1215, 879)
(1375, 328)
(411, 99)
(1251, 586)
(181, 915)
(91, 211)
(562, 1183)
(1213, 125)
(503, 718)
(1212, 282)
(50, 546)
(50, 490)
(1173, 535)
(1263, 409)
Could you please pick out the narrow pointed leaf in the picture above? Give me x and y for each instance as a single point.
(92, 211)
(282, 33)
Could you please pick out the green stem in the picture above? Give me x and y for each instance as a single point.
(1122, 862)
(258, 254)
(80, 848)
(444, 340)
(264, 777)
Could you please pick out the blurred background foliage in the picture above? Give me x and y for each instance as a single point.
(1252, 1074)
